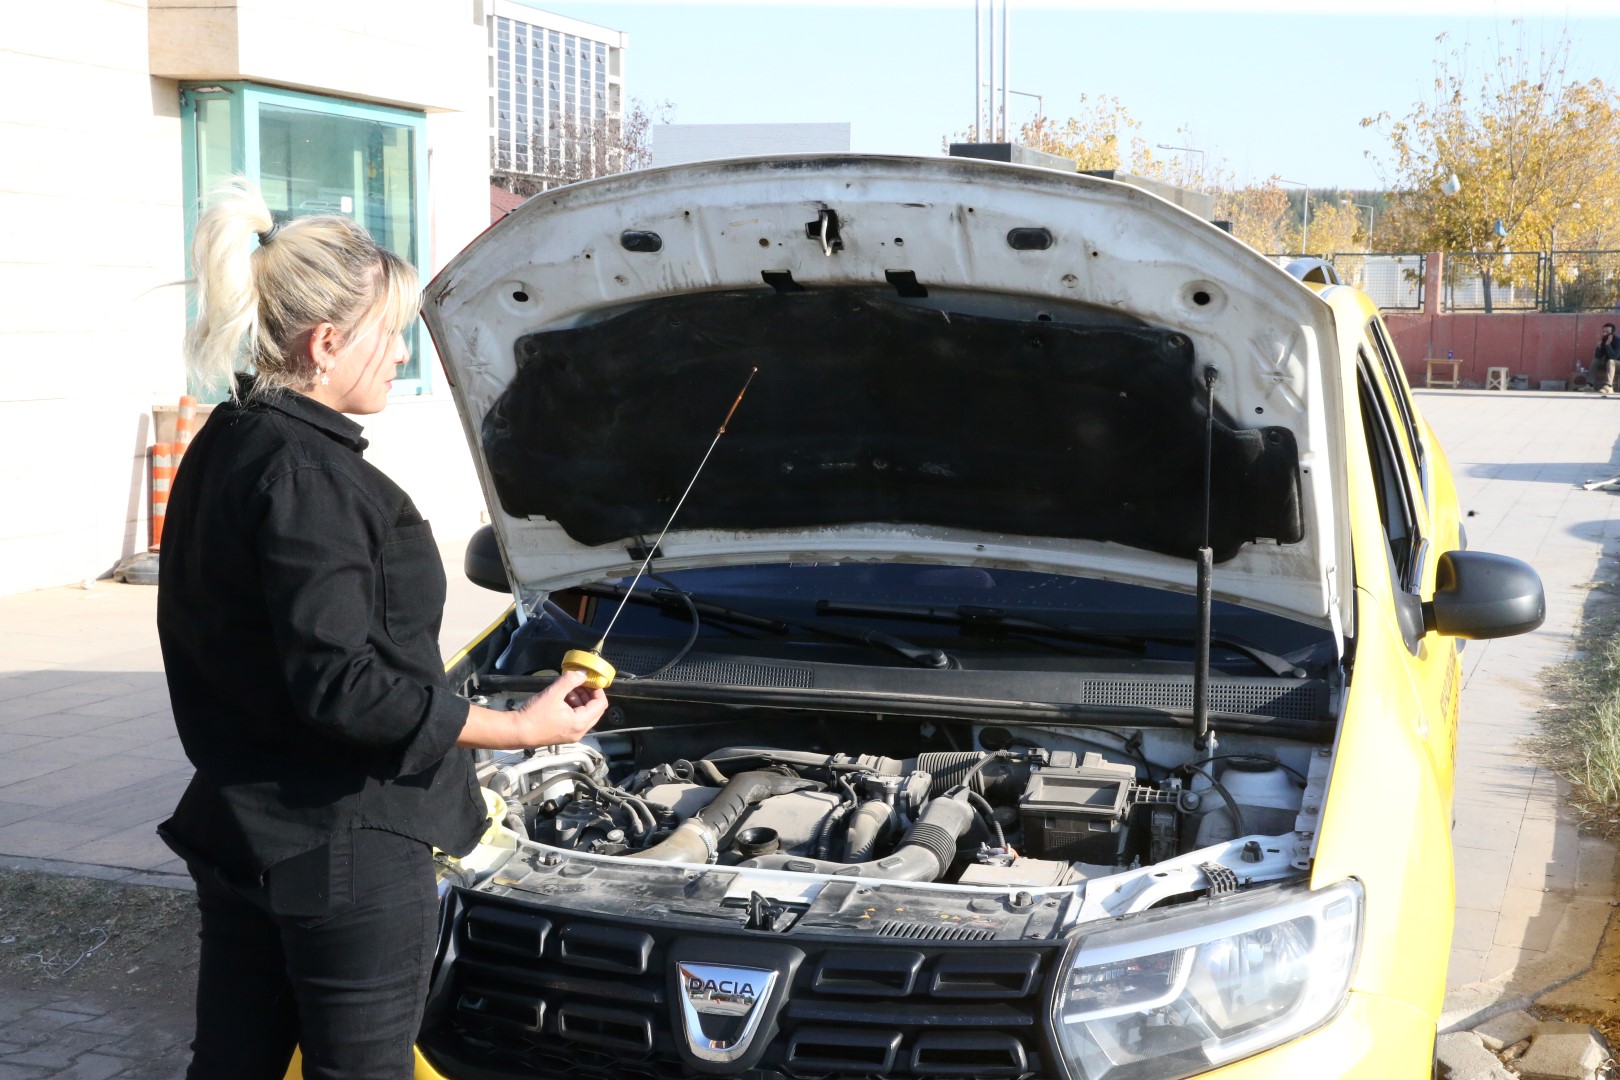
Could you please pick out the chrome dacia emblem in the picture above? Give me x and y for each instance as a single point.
(721, 1007)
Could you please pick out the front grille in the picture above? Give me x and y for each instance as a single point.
(529, 990)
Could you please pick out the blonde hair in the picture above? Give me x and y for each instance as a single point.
(256, 296)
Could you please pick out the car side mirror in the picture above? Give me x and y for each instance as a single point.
(482, 563)
(1479, 595)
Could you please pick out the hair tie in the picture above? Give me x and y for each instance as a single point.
(269, 234)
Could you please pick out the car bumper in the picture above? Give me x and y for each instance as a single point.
(1372, 1038)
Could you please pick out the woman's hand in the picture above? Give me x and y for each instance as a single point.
(561, 713)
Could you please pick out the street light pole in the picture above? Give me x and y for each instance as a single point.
(978, 60)
(1370, 214)
(1004, 77)
(1305, 228)
(1188, 150)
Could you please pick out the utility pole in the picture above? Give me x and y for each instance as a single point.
(1004, 78)
(1305, 228)
(978, 58)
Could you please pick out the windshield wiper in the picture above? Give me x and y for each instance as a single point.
(1125, 640)
(672, 599)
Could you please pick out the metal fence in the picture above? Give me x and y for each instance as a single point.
(1583, 281)
(1483, 280)
(1394, 280)
(1494, 281)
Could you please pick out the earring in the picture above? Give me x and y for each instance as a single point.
(325, 381)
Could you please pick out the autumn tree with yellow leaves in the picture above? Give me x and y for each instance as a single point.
(1532, 151)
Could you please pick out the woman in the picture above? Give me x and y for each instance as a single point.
(299, 605)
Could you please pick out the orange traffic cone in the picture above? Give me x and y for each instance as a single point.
(185, 426)
(162, 477)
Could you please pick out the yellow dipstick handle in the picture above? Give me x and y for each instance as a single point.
(598, 672)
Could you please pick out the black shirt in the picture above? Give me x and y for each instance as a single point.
(299, 601)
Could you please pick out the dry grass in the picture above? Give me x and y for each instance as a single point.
(67, 928)
(1580, 725)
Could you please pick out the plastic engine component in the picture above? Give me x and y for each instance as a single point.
(1073, 812)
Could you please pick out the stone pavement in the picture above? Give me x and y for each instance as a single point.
(43, 1036)
(89, 763)
(1533, 895)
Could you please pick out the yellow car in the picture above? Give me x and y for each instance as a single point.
(1047, 669)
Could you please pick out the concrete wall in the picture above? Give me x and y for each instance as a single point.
(90, 233)
(1537, 345)
(92, 230)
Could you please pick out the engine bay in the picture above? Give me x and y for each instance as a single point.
(1031, 807)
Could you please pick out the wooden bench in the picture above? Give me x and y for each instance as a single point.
(1429, 365)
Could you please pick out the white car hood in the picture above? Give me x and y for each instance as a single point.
(595, 338)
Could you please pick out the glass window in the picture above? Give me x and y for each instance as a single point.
(316, 155)
(1396, 507)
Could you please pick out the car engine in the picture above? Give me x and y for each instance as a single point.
(1018, 815)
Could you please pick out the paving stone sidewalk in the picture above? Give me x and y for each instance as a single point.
(1533, 894)
(42, 1035)
(89, 764)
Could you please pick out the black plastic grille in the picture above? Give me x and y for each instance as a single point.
(1303, 701)
(641, 661)
(530, 991)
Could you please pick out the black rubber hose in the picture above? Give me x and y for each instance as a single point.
(644, 825)
(925, 852)
(1295, 773)
(691, 638)
(1220, 789)
(987, 814)
(948, 767)
(697, 839)
(865, 830)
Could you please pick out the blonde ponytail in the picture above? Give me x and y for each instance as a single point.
(260, 285)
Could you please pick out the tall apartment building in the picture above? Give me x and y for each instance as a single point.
(556, 95)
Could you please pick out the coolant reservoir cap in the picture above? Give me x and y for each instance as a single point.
(757, 841)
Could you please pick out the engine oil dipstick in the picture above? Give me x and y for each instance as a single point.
(599, 673)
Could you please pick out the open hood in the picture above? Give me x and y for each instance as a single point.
(958, 361)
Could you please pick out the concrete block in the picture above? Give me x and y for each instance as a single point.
(1463, 1057)
(1562, 1051)
(1507, 1029)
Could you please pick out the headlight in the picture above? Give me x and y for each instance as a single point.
(1169, 994)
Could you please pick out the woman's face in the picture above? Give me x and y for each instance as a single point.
(359, 371)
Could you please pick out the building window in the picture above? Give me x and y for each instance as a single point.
(317, 155)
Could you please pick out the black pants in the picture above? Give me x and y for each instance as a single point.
(331, 953)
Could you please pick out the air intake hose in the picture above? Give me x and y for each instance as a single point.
(697, 839)
(924, 854)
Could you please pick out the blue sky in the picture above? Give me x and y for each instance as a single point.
(1269, 90)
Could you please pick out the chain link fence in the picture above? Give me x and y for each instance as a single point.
(1583, 281)
(1393, 280)
(1494, 281)
(1567, 281)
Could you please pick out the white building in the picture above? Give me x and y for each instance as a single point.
(115, 116)
(556, 94)
(681, 144)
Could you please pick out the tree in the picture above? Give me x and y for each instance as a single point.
(567, 151)
(1532, 151)
(1259, 215)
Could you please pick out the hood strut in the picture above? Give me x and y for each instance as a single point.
(1206, 566)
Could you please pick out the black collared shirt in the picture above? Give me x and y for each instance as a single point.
(298, 609)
